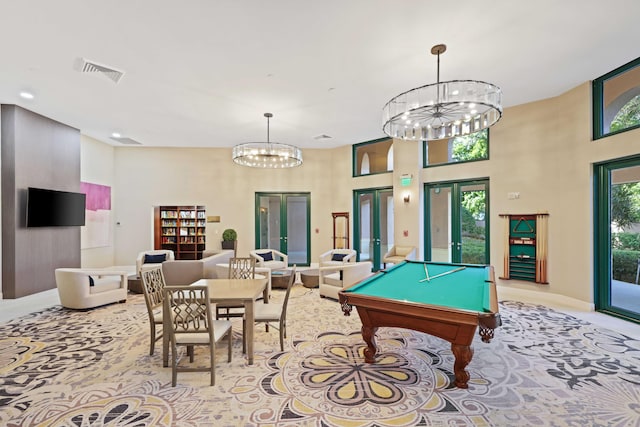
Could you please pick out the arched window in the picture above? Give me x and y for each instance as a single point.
(616, 100)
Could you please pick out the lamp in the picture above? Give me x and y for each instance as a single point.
(269, 155)
(443, 109)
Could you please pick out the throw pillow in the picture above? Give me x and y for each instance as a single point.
(338, 257)
(91, 282)
(267, 256)
(154, 259)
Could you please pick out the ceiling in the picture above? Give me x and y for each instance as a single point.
(201, 73)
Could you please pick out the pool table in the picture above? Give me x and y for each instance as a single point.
(450, 304)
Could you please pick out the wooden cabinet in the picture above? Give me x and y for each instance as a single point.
(525, 251)
(181, 229)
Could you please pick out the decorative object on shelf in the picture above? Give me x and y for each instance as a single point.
(268, 155)
(525, 247)
(230, 239)
(443, 109)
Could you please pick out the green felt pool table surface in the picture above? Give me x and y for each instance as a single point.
(466, 289)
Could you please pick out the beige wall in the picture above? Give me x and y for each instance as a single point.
(542, 150)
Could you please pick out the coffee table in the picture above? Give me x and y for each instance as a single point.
(310, 278)
(280, 278)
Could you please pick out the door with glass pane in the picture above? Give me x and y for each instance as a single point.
(456, 222)
(282, 223)
(617, 238)
(373, 224)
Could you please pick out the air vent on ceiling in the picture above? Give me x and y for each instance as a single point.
(323, 136)
(126, 141)
(112, 74)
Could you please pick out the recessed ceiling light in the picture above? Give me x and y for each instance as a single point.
(26, 95)
(116, 135)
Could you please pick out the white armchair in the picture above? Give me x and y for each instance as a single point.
(333, 279)
(270, 258)
(337, 257)
(153, 257)
(81, 288)
(398, 254)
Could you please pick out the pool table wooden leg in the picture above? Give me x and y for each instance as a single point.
(463, 355)
(369, 336)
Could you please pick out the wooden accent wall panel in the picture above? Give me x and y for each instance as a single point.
(36, 152)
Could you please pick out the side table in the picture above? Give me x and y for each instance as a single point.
(310, 278)
(135, 284)
(280, 278)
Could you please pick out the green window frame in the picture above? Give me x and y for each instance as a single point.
(377, 151)
(613, 92)
(439, 147)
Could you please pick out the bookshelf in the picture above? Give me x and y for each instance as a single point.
(181, 229)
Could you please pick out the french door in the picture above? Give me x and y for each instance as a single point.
(617, 238)
(373, 224)
(282, 223)
(456, 220)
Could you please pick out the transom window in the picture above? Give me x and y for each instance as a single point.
(616, 100)
(459, 149)
(373, 157)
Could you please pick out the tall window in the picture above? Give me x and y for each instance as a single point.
(616, 100)
(373, 157)
(459, 149)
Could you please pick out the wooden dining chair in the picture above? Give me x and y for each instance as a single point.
(239, 268)
(274, 312)
(152, 287)
(191, 324)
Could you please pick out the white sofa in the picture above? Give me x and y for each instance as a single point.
(270, 258)
(185, 272)
(337, 257)
(81, 288)
(332, 279)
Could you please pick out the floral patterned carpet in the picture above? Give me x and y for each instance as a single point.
(61, 367)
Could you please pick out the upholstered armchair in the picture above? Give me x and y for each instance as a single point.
(398, 254)
(337, 257)
(332, 279)
(81, 288)
(157, 256)
(270, 258)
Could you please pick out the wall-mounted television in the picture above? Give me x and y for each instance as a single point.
(52, 208)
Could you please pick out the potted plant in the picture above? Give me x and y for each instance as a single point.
(229, 239)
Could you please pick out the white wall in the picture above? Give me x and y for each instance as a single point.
(97, 167)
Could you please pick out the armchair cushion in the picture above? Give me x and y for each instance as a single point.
(338, 257)
(154, 259)
(267, 256)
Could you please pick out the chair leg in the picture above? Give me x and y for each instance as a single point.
(174, 366)
(190, 353)
(244, 336)
(282, 335)
(153, 338)
(230, 333)
(212, 352)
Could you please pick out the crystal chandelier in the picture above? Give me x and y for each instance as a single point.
(443, 109)
(268, 155)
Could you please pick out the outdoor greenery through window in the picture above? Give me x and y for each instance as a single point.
(625, 235)
(459, 149)
(616, 100)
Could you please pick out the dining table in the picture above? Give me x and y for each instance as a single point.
(242, 292)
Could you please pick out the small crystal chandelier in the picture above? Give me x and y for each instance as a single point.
(268, 155)
(442, 110)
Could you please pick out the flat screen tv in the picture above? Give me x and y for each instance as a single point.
(52, 208)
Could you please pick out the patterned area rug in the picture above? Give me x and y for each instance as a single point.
(71, 368)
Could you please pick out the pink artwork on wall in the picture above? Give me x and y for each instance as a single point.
(97, 229)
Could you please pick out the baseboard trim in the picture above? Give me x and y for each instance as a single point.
(543, 298)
